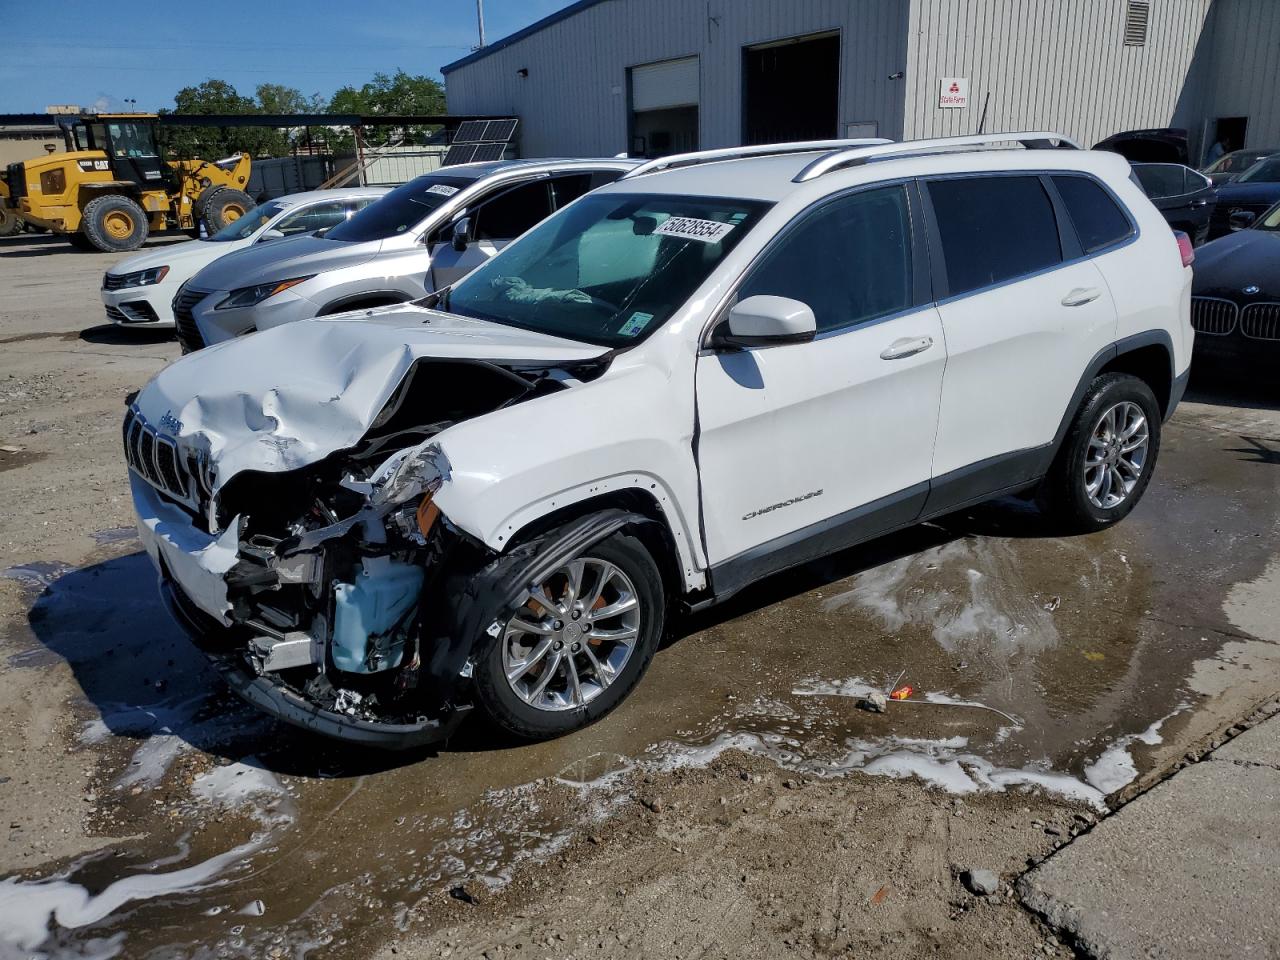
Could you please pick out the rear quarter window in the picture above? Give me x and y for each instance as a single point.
(994, 229)
(1098, 219)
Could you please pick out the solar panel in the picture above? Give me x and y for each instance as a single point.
(480, 140)
(458, 153)
(489, 151)
(470, 131)
(500, 131)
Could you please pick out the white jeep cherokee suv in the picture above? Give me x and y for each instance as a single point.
(723, 365)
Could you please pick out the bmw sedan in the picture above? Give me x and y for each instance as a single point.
(1235, 305)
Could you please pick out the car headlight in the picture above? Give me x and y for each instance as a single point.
(139, 278)
(412, 472)
(249, 296)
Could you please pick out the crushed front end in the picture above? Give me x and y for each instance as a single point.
(312, 589)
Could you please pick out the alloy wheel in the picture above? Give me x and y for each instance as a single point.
(1116, 455)
(572, 635)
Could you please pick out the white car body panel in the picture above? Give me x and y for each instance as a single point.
(1015, 354)
(185, 260)
(843, 426)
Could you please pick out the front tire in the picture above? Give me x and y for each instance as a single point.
(114, 224)
(577, 645)
(1107, 457)
(10, 225)
(224, 206)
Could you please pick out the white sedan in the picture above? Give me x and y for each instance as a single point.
(137, 292)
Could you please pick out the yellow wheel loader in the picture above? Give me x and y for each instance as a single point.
(111, 188)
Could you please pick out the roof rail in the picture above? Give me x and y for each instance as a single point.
(855, 156)
(761, 150)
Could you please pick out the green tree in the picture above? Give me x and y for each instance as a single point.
(218, 96)
(397, 95)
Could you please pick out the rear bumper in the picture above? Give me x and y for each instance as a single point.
(274, 698)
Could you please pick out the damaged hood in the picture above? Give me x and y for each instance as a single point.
(288, 397)
(282, 260)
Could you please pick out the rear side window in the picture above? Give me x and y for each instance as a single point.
(850, 260)
(1162, 180)
(994, 229)
(569, 188)
(1098, 220)
(510, 214)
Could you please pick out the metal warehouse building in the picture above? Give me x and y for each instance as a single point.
(659, 76)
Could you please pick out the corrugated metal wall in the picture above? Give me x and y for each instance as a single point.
(1245, 80)
(574, 100)
(1056, 64)
(1052, 64)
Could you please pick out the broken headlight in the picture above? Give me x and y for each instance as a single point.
(249, 296)
(416, 471)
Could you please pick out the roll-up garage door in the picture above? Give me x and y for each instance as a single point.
(659, 86)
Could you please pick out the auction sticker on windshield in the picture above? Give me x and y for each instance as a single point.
(634, 325)
(689, 228)
(443, 189)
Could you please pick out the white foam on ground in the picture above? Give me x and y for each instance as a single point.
(992, 602)
(27, 907)
(854, 687)
(1115, 767)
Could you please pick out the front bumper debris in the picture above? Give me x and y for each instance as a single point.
(272, 697)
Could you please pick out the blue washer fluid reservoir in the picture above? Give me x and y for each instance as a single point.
(367, 615)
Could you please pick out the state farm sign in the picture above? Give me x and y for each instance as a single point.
(954, 92)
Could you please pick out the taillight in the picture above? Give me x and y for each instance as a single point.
(1184, 247)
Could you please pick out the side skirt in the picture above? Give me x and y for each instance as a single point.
(996, 477)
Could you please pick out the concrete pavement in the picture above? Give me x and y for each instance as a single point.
(1189, 869)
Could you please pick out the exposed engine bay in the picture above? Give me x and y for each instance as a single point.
(335, 572)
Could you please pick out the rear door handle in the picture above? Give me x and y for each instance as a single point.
(1080, 296)
(906, 347)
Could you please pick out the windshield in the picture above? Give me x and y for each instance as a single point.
(1264, 171)
(1270, 220)
(608, 270)
(402, 209)
(244, 228)
(131, 140)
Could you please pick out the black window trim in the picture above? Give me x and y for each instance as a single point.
(922, 280)
(1066, 229)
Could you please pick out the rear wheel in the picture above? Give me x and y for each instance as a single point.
(222, 207)
(578, 643)
(1107, 458)
(80, 242)
(114, 223)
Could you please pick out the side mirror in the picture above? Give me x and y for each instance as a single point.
(461, 234)
(766, 321)
(1241, 219)
(271, 235)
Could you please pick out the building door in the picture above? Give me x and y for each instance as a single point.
(1230, 132)
(791, 89)
(664, 107)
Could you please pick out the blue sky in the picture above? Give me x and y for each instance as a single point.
(94, 52)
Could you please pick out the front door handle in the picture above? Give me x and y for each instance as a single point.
(906, 347)
(1080, 296)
